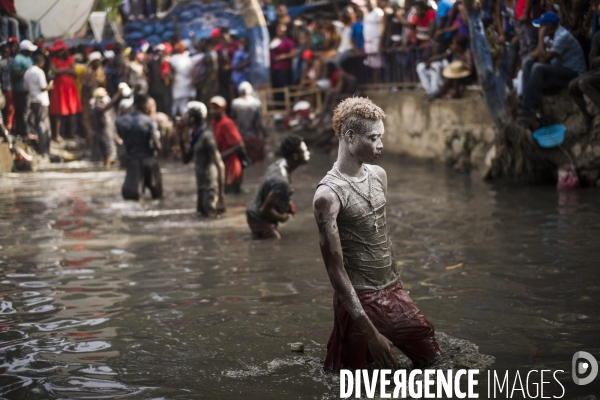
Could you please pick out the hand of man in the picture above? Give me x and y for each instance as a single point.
(50, 86)
(382, 351)
(292, 208)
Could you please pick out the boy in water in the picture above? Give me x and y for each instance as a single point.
(272, 204)
(373, 312)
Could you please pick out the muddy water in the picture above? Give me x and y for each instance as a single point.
(105, 298)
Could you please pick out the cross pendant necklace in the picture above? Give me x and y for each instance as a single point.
(368, 198)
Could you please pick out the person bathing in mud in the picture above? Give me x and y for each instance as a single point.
(136, 129)
(272, 204)
(210, 170)
(373, 312)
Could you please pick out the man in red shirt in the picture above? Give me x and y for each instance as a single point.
(421, 24)
(229, 142)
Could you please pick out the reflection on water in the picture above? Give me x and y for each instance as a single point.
(105, 298)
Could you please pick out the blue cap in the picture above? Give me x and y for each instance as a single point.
(547, 18)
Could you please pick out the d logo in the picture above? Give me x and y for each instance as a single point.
(582, 367)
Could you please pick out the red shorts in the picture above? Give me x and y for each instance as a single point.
(395, 316)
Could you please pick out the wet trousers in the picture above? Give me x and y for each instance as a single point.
(21, 112)
(142, 173)
(395, 316)
(39, 124)
(207, 201)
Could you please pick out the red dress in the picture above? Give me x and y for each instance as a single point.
(227, 136)
(64, 99)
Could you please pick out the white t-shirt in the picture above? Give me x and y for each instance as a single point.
(345, 39)
(35, 83)
(182, 79)
(372, 25)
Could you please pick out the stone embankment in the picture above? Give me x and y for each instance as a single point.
(460, 132)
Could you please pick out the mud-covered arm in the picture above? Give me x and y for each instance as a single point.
(268, 211)
(326, 208)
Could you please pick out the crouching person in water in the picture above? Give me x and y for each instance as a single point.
(373, 312)
(210, 170)
(273, 204)
(136, 129)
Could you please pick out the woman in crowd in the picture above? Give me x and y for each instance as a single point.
(92, 78)
(64, 99)
(283, 50)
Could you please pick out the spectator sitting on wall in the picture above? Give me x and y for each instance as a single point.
(549, 68)
(430, 71)
(461, 71)
(589, 83)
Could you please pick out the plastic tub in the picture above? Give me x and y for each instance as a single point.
(550, 136)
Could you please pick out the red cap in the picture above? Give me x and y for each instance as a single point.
(58, 45)
(215, 33)
(13, 39)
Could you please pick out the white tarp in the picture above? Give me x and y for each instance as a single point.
(59, 18)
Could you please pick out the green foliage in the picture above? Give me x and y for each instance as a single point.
(113, 5)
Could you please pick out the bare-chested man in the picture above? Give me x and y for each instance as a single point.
(373, 312)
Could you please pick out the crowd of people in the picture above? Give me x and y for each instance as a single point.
(547, 44)
(55, 92)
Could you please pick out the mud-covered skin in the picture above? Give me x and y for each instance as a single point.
(354, 150)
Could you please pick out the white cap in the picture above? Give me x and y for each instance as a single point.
(196, 105)
(126, 90)
(27, 45)
(109, 54)
(245, 88)
(95, 55)
(160, 47)
(220, 101)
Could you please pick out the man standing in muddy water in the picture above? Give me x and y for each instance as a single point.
(373, 312)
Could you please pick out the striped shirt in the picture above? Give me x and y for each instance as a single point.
(569, 51)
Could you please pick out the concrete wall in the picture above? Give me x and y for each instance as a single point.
(450, 131)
